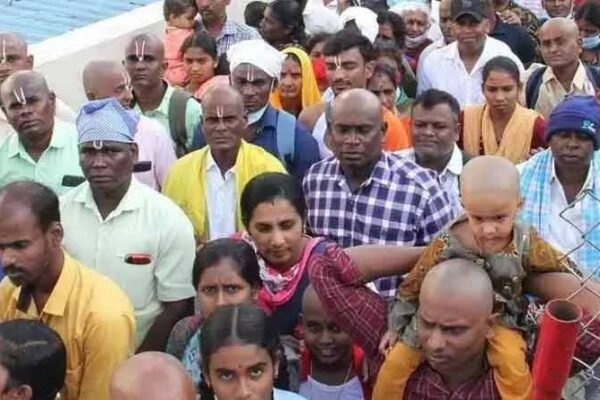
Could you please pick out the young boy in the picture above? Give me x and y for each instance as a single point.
(180, 16)
(489, 235)
(330, 366)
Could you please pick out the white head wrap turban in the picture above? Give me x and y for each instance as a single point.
(365, 20)
(256, 52)
(319, 18)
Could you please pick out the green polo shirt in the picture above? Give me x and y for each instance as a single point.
(59, 159)
(193, 113)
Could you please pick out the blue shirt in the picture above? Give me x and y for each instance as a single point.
(306, 148)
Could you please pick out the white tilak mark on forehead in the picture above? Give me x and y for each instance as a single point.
(98, 144)
(250, 74)
(140, 51)
(220, 112)
(338, 63)
(20, 96)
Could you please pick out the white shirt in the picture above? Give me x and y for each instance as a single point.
(144, 223)
(449, 178)
(563, 235)
(319, 134)
(221, 200)
(285, 395)
(314, 390)
(443, 69)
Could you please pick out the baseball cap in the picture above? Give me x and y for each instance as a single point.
(476, 8)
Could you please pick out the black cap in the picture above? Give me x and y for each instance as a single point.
(476, 8)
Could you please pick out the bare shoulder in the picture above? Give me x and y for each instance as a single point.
(309, 116)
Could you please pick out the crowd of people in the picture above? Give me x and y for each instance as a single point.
(335, 200)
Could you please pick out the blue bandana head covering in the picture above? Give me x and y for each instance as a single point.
(576, 114)
(107, 121)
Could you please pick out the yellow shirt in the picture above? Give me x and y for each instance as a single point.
(185, 184)
(552, 91)
(92, 316)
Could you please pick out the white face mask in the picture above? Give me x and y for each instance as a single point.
(255, 116)
(415, 42)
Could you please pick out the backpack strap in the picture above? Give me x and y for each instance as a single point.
(593, 74)
(286, 137)
(177, 111)
(532, 88)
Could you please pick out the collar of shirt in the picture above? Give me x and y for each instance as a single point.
(268, 120)
(57, 141)
(453, 54)
(454, 166)
(579, 80)
(132, 200)
(211, 165)
(588, 184)
(379, 175)
(163, 107)
(57, 302)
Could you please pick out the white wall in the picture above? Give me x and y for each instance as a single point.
(61, 59)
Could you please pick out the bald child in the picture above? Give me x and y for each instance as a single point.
(330, 364)
(489, 235)
(152, 376)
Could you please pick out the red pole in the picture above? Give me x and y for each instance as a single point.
(555, 347)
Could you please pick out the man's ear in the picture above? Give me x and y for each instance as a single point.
(491, 322)
(328, 136)
(458, 128)
(56, 233)
(30, 61)
(520, 204)
(23, 392)
(135, 151)
(369, 69)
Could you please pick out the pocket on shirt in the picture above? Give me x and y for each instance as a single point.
(138, 282)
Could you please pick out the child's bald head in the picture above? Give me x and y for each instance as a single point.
(489, 188)
(489, 174)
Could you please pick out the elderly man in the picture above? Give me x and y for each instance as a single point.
(350, 59)
(464, 59)
(14, 57)
(126, 230)
(435, 126)
(176, 110)
(366, 196)
(224, 30)
(89, 312)
(207, 183)
(44, 149)
(255, 69)
(33, 360)
(565, 74)
(104, 79)
(561, 184)
(152, 376)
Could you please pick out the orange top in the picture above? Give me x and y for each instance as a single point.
(397, 136)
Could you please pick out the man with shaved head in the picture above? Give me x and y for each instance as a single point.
(207, 183)
(565, 74)
(363, 195)
(13, 58)
(151, 376)
(44, 149)
(176, 110)
(103, 79)
(92, 316)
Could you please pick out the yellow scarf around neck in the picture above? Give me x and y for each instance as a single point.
(516, 139)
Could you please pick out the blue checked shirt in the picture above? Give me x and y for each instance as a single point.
(232, 33)
(401, 203)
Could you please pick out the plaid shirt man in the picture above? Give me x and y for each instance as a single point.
(232, 33)
(400, 203)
